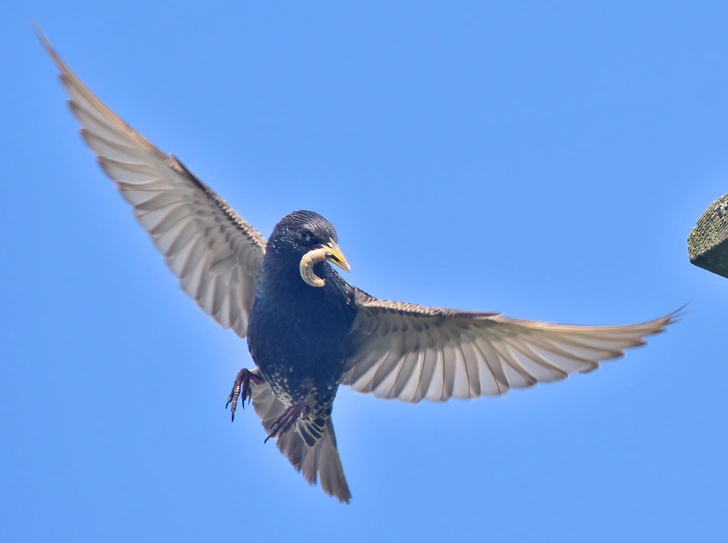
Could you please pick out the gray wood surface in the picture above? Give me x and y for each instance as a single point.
(708, 241)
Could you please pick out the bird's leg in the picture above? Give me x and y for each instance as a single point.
(287, 419)
(241, 387)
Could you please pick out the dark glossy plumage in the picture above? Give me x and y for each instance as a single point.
(297, 333)
(308, 330)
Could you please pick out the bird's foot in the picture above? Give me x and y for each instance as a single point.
(287, 419)
(241, 387)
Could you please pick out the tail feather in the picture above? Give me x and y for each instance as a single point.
(318, 461)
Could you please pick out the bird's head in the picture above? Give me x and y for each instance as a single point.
(312, 239)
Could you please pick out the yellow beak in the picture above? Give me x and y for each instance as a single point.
(335, 256)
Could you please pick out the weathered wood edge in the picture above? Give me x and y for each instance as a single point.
(708, 241)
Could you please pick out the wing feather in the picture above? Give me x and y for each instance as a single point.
(213, 251)
(410, 352)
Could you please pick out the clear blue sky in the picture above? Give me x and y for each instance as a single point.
(544, 161)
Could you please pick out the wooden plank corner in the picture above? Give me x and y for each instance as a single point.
(708, 241)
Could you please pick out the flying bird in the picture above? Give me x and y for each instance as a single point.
(308, 330)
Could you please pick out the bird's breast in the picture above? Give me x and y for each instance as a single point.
(297, 338)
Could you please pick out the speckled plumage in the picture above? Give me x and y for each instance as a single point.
(297, 333)
(307, 338)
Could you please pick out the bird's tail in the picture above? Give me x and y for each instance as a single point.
(320, 460)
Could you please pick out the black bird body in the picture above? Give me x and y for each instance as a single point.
(297, 334)
(308, 330)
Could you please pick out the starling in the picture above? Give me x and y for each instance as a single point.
(308, 330)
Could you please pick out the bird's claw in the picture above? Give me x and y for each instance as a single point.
(287, 419)
(241, 387)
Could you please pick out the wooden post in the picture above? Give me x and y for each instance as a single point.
(708, 241)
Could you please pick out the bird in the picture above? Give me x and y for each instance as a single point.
(308, 330)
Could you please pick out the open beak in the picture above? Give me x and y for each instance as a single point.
(335, 256)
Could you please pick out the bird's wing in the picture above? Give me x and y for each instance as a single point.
(215, 253)
(410, 352)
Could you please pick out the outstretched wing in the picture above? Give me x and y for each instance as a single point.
(215, 253)
(412, 352)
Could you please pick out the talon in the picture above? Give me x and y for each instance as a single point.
(286, 420)
(241, 387)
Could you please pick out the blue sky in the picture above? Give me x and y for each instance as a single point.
(547, 161)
